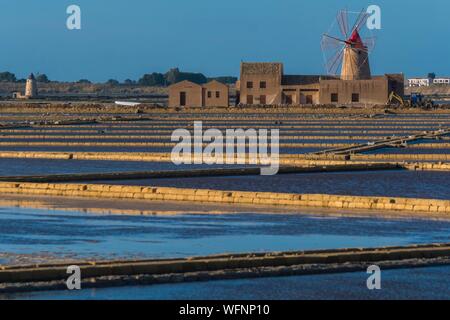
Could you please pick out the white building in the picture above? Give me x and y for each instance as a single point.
(426, 82)
(419, 82)
(441, 81)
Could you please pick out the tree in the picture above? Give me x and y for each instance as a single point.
(84, 81)
(174, 75)
(432, 75)
(7, 77)
(129, 82)
(42, 78)
(112, 82)
(154, 79)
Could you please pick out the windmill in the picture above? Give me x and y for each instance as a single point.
(347, 49)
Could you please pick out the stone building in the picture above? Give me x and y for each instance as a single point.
(266, 84)
(260, 83)
(371, 91)
(190, 94)
(31, 90)
(263, 83)
(216, 94)
(355, 62)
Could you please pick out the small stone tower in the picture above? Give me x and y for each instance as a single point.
(355, 65)
(31, 90)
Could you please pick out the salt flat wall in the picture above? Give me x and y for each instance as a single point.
(440, 208)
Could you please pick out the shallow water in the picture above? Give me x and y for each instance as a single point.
(84, 149)
(53, 234)
(127, 149)
(19, 167)
(167, 139)
(409, 151)
(403, 284)
(139, 132)
(391, 183)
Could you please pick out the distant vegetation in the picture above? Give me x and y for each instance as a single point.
(112, 82)
(85, 81)
(175, 75)
(11, 77)
(7, 77)
(151, 79)
(42, 78)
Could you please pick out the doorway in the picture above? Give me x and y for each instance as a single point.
(288, 99)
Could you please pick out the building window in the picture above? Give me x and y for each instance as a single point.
(309, 99)
(334, 97)
(217, 94)
(355, 97)
(183, 99)
(249, 99)
(249, 84)
(262, 99)
(209, 94)
(262, 85)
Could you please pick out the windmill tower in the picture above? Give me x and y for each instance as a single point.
(348, 51)
(355, 64)
(31, 87)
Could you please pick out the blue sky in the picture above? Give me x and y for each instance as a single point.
(125, 39)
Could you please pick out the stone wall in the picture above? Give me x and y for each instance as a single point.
(216, 94)
(373, 91)
(256, 73)
(435, 207)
